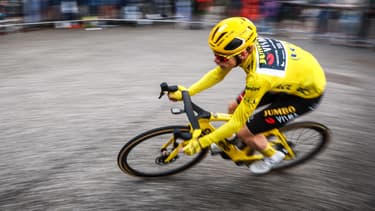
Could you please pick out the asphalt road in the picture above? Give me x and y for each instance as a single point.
(70, 99)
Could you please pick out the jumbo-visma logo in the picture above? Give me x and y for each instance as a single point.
(270, 59)
(279, 111)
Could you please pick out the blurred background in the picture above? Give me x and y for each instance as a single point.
(78, 79)
(348, 21)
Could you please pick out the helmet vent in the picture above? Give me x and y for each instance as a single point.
(219, 38)
(235, 43)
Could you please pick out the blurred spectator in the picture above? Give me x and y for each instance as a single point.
(251, 9)
(50, 10)
(183, 9)
(32, 11)
(368, 15)
(109, 8)
(350, 23)
(93, 7)
(69, 9)
(83, 7)
(289, 11)
(54, 11)
(200, 8)
(235, 7)
(3, 5)
(269, 13)
(162, 7)
(323, 17)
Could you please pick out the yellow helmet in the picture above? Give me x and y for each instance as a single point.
(231, 36)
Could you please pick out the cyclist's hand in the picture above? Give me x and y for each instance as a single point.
(192, 147)
(196, 144)
(177, 95)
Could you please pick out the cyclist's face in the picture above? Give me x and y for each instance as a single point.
(225, 63)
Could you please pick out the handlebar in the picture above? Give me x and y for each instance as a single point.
(189, 106)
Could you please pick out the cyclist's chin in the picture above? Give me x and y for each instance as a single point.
(225, 66)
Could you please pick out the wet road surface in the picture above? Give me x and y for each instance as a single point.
(70, 99)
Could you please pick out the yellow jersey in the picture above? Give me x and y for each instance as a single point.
(275, 66)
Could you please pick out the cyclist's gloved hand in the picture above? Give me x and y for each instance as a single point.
(195, 145)
(192, 147)
(177, 95)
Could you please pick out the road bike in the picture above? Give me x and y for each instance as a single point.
(156, 153)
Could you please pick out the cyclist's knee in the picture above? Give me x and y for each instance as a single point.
(232, 107)
(245, 135)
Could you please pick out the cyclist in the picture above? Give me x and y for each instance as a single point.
(281, 75)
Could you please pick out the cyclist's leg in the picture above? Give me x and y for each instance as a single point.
(268, 98)
(284, 109)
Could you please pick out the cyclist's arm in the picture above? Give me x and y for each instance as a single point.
(243, 112)
(208, 80)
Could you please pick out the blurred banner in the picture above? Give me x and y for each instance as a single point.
(347, 19)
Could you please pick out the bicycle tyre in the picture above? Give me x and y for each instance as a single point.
(303, 130)
(138, 164)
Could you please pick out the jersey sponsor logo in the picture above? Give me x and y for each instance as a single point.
(279, 111)
(270, 120)
(284, 86)
(286, 118)
(251, 88)
(293, 51)
(271, 57)
(250, 101)
(304, 91)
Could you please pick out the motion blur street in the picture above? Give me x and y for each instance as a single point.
(71, 98)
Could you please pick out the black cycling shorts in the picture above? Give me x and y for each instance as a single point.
(281, 108)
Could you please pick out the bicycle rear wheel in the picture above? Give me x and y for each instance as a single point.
(140, 156)
(307, 139)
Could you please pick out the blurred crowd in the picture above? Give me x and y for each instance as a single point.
(323, 17)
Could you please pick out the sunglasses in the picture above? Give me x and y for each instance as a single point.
(221, 58)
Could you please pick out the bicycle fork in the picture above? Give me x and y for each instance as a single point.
(177, 147)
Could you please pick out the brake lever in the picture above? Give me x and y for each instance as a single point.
(162, 93)
(164, 88)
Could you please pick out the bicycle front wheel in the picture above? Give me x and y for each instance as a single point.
(306, 139)
(141, 155)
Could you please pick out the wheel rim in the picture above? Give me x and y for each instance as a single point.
(140, 157)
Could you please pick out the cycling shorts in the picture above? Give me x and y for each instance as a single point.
(280, 108)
